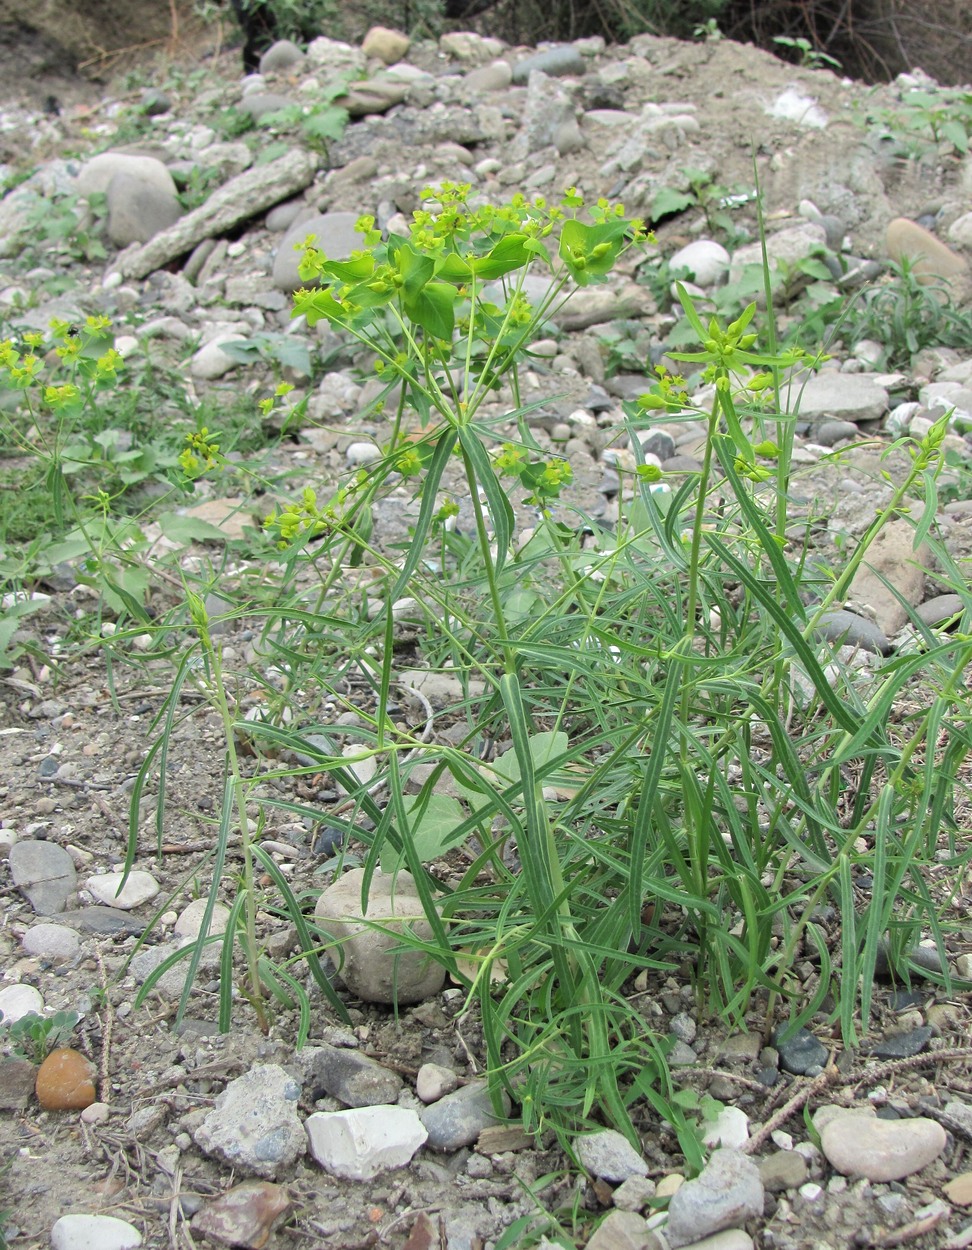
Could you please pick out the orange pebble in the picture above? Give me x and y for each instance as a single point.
(65, 1081)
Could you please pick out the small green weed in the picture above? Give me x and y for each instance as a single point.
(925, 120)
(805, 54)
(34, 1036)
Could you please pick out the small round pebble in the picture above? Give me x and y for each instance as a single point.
(65, 1081)
(54, 942)
(435, 1081)
(140, 887)
(97, 1113)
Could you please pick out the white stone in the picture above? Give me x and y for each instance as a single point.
(791, 105)
(706, 259)
(858, 1144)
(210, 361)
(140, 887)
(94, 1232)
(358, 1144)
(362, 453)
(17, 1001)
(730, 1128)
(97, 173)
(190, 920)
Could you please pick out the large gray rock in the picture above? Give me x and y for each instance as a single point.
(138, 211)
(254, 1126)
(280, 56)
(787, 247)
(44, 872)
(548, 107)
(857, 1144)
(335, 235)
(96, 174)
(841, 396)
(368, 960)
(726, 1194)
(610, 1155)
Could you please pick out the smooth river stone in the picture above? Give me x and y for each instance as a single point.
(857, 1144)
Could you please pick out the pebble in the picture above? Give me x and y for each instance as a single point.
(65, 1081)
(44, 873)
(706, 260)
(358, 1144)
(94, 1232)
(930, 257)
(556, 62)
(96, 1113)
(857, 1144)
(434, 1081)
(799, 1052)
(457, 1119)
(728, 1239)
(784, 1169)
(623, 1230)
(245, 1215)
(17, 1080)
(139, 888)
(730, 1128)
(726, 1194)
(17, 1001)
(634, 1194)
(849, 629)
(609, 1155)
(254, 1126)
(903, 1045)
(850, 397)
(959, 1190)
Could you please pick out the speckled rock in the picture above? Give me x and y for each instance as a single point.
(609, 1155)
(457, 1119)
(254, 1126)
(726, 1194)
(44, 872)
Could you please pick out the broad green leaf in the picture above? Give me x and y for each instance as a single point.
(433, 308)
(508, 254)
(189, 529)
(667, 201)
(544, 747)
(432, 824)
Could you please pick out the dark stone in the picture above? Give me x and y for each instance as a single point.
(658, 443)
(903, 1045)
(848, 629)
(328, 841)
(107, 921)
(351, 1077)
(799, 1052)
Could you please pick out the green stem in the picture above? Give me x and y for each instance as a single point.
(482, 536)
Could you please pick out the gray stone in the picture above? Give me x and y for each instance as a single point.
(358, 1144)
(18, 1078)
(94, 1232)
(97, 173)
(846, 396)
(372, 95)
(785, 1169)
(609, 1155)
(495, 77)
(849, 629)
(349, 1076)
(457, 1119)
(799, 1051)
(548, 107)
(261, 104)
(931, 259)
(730, 1239)
(138, 211)
(104, 921)
(284, 215)
(244, 1216)
(634, 1194)
(44, 873)
(555, 62)
(334, 234)
(903, 1045)
(891, 571)
(282, 55)
(466, 45)
(726, 1194)
(433, 1081)
(254, 1126)
(154, 102)
(54, 942)
(623, 1230)
(940, 609)
(829, 433)
(369, 961)
(857, 1144)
